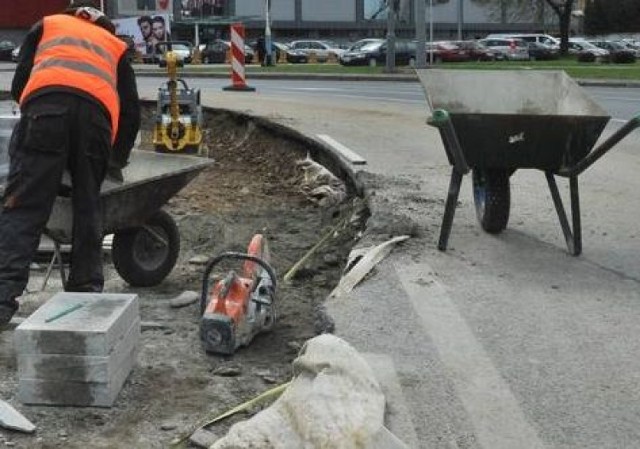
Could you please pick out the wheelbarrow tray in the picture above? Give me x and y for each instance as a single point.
(514, 118)
(151, 179)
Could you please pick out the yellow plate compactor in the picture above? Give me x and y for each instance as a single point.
(178, 126)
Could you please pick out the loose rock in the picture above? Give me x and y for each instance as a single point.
(184, 299)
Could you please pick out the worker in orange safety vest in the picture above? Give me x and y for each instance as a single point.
(80, 112)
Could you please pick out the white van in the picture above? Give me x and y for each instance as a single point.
(544, 39)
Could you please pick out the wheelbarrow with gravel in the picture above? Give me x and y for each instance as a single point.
(493, 123)
(146, 241)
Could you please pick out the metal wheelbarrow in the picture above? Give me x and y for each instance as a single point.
(496, 122)
(146, 241)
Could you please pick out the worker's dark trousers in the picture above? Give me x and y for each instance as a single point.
(57, 131)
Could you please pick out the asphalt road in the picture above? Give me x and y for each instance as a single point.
(501, 342)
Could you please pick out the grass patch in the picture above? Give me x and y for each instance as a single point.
(626, 72)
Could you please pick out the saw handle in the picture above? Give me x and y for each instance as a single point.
(231, 255)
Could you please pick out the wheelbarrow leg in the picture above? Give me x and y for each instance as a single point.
(450, 208)
(56, 257)
(573, 238)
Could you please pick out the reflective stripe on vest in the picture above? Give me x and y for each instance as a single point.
(75, 53)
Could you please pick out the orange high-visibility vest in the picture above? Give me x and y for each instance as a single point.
(75, 53)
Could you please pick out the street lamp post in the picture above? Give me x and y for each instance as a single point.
(421, 34)
(431, 48)
(392, 7)
(268, 60)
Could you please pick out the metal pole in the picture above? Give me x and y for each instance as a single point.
(431, 32)
(267, 33)
(102, 5)
(391, 37)
(460, 18)
(421, 34)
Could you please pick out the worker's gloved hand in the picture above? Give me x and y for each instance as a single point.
(114, 173)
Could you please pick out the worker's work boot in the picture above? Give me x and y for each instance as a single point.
(7, 310)
(114, 174)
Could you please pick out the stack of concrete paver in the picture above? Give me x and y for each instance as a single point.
(78, 349)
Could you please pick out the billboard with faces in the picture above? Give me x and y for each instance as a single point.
(145, 30)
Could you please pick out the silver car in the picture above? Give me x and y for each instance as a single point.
(507, 48)
(322, 49)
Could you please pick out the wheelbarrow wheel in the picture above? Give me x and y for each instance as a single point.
(145, 255)
(492, 198)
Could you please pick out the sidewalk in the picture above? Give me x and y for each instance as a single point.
(498, 342)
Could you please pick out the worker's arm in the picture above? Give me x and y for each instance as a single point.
(129, 120)
(25, 62)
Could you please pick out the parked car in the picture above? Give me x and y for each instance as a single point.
(446, 52)
(507, 48)
(322, 49)
(131, 46)
(292, 56)
(6, 47)
(543, 39)
(15, 54)
(541, 52)
(619, 54)
(215, 52)
(630, 45)
(182, 49)
(587, 52)
(374, 53)
(361, 43)
(476, 50)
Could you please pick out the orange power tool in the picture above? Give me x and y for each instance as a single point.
(239, 306)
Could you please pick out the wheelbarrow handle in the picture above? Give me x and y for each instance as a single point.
(442, 120)
(596, 154)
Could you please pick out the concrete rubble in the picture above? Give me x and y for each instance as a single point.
(11, 419)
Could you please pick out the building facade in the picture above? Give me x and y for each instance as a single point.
(339, 19)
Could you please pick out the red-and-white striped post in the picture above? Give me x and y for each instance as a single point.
(237, 60)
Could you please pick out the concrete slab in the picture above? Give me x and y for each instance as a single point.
(77, 368)
(84, 394)
(94, 329)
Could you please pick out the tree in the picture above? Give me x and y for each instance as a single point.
(603, 16)
(563, 9)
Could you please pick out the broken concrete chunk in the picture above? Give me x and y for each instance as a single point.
(203, 438)
(11, 419)
(200, 259)
(184, 299)
(227, 371)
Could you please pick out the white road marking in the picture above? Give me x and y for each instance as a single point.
(491, 406)
(345, 152)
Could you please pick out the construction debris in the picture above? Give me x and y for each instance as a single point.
(319, 185)
(11, 419)
(203, 438)
(365, 260)
(333, 401)
(184, 299)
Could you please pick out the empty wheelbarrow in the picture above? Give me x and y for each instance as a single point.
(496, 122)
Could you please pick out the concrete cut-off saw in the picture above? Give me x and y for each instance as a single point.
(241, 305)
